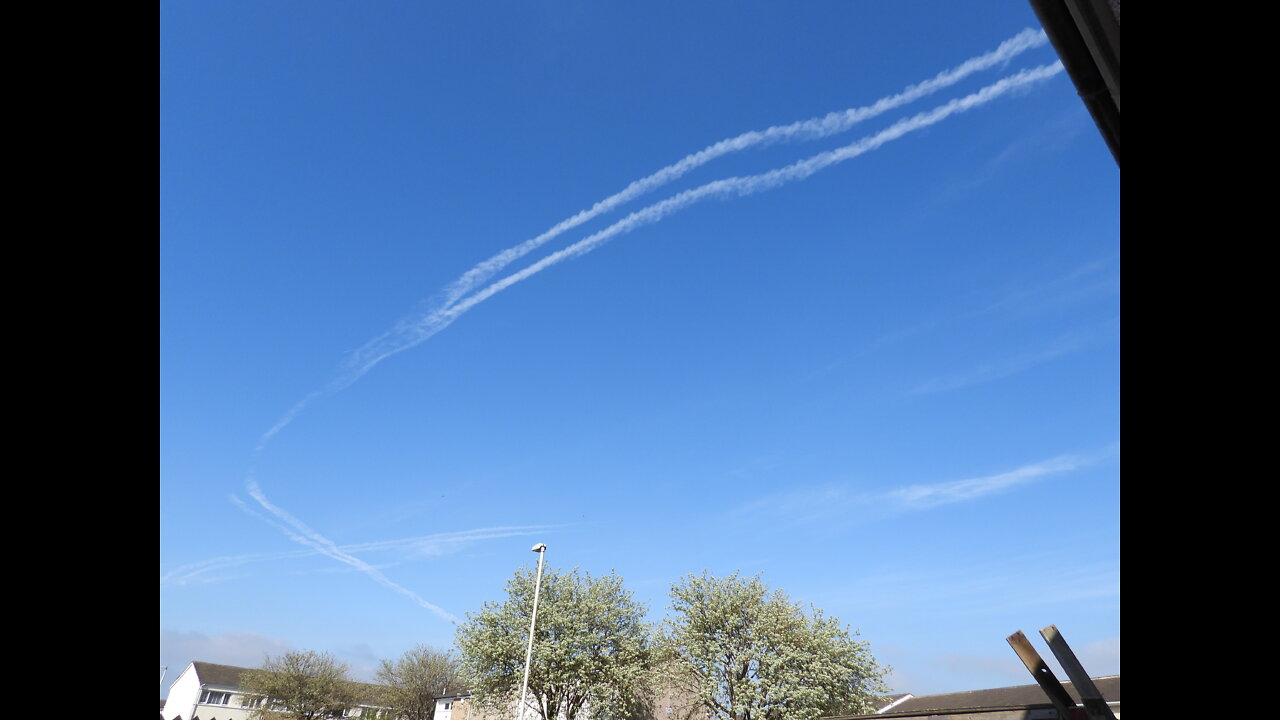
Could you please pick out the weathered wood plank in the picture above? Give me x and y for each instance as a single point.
(1044, 676)
(1095, 706)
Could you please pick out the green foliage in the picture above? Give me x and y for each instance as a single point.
(303, 685)
(415, 680)
(591, 648)
(748, 653)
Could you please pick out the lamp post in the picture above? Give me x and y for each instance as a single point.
(541, 549)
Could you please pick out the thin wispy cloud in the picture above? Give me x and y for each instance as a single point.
(237, 648)
(338, 569)
(1018, 362)
(302, 534)
(414, 330)
(816, 504)
(805, 505)
(1031, 295)
(1001, 368)
(1098, 278)
(920, 497)
(985, 583)
(422, 546)
(200, 571)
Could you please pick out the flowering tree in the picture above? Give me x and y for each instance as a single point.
(591, 647)
(748, 653)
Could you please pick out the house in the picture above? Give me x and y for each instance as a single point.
(459, 707)
(1019, 702)
(209, 691)
(668, 704)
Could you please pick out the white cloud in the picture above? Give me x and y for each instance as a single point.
(246, 649)
(1007, 366)
(920, 497)
(810, 505)
(1101, 657)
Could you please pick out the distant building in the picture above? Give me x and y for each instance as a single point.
(461, 707)
(209, 691)
(669, 704)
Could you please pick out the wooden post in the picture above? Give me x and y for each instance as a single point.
(1094, 704)
(1044, 677)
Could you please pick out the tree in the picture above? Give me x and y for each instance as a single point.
(304, 685)
(591, 647)
(415, 681)
(749, 653)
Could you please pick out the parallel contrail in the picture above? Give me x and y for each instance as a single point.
(303, 534)
(409, 334)
(406, 333)
(813, 128)
(741, 186)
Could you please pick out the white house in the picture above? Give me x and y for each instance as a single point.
(209, 691)
(464, 707)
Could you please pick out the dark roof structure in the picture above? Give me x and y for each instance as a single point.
(890, 699)
(215, 674)
(1086, 34)
(1017, 702)
(229, 676)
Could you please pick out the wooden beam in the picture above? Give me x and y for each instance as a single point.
(1044, 677)
(1095, 706)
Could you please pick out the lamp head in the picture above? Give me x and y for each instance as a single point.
(540, 547)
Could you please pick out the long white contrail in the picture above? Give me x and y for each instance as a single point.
(407, 333)
(744, 185)
(830, 124)
(303, 534)
(191, 572)
(411, 334)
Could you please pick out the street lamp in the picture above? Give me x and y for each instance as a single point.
(541, 549)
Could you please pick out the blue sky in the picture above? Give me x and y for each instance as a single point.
(877, 362)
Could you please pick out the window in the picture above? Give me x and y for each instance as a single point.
(215, 697)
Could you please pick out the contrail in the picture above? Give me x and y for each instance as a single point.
(411, 334)
(830, 124)
(741, 186)
(304, 535)
(407, 333)
(192, 571)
